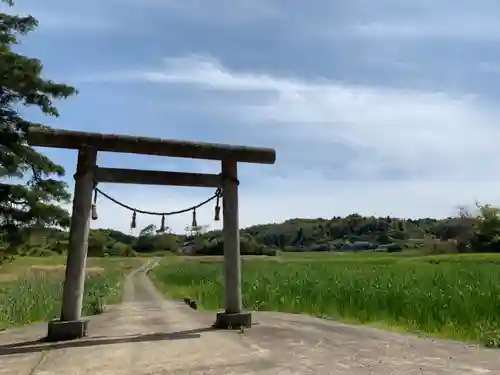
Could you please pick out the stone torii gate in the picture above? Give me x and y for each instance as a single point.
(71, 325)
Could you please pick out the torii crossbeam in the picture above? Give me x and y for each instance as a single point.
(71, 325)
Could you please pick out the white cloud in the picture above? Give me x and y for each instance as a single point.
(428, 134)
(445, 144)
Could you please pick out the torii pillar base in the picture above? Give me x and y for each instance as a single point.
(60, 330)
(233, 321)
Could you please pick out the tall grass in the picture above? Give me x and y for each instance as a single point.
(39, 298)
(454, 297)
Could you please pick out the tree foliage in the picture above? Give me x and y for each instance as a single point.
(486, 234)
(29, 186)
(467, 232)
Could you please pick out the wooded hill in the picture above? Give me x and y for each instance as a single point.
(351, 233)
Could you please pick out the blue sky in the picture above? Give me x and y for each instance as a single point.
(383, 107)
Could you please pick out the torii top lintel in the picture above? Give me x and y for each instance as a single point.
(60, 138)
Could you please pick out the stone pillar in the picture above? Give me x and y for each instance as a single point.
(70, 325)
(233, 316)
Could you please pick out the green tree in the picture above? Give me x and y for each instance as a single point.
(120, 249)
(32, 201)
(165, 242)
(98, 243)
(148, 230)
(383, 238)
(401, 226)
(486, 236)
(196, 231)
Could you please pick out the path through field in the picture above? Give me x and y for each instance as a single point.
(148, 335)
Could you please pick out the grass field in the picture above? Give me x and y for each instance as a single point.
(452, 296)
(31, 288)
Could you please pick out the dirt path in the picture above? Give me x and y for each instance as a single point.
(148, 335)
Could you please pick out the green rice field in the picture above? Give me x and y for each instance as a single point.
(31, 288)
(451, 296)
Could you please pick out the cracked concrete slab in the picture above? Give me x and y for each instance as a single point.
(148, 335)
